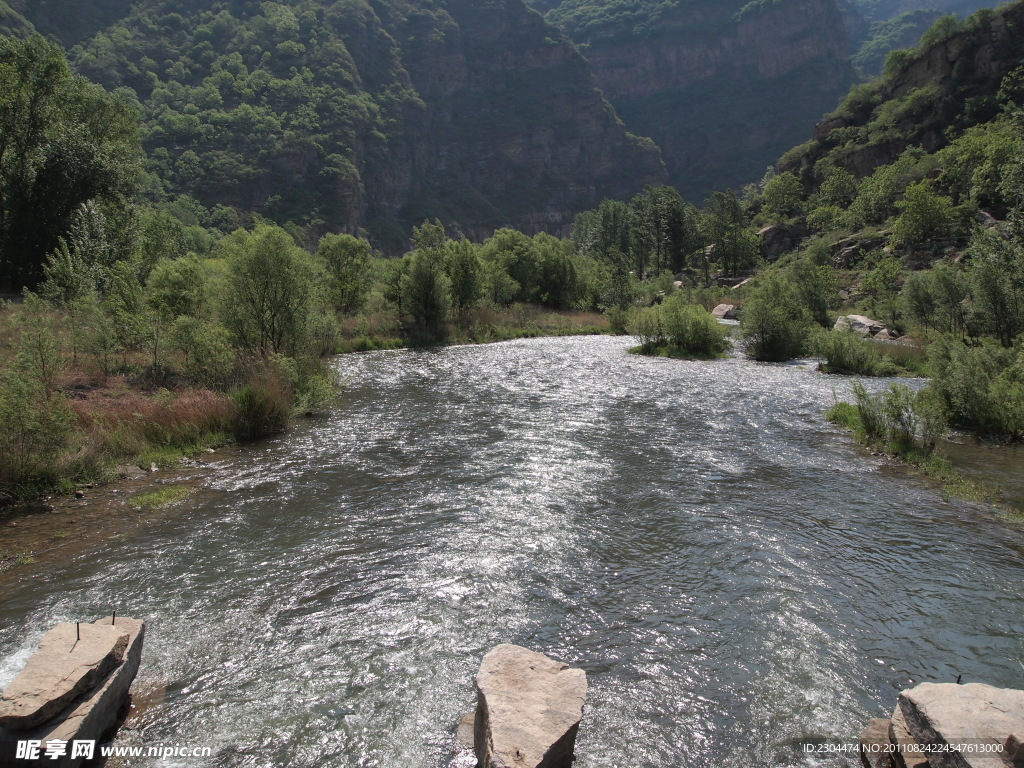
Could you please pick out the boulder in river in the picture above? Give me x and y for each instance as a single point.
(528, 710)
(725, 312)
(71, 660)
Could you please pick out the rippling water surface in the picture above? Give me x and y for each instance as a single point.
(733, 575)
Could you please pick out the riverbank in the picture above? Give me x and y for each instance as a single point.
(76, 416)
(38, 537)
(928, 462)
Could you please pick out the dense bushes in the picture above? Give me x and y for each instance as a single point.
(678, 329)
(774, 322)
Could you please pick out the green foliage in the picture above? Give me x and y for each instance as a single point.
(678, 329)
(348, 266)
(996, 279)
(782, 196)
(883, 285)
(272, 291)
(465, 272)
(724, 227)
(897, 420)
(166, 496)
(847, 352)
(817, 288)
(980, 387)
(774, 322)
(425, 286)
(262, 409)
(900, 32)
(65, 142)
(923, 216)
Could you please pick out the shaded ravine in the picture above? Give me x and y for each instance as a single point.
(734, 577)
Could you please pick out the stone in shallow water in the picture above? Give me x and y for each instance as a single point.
(65, 667)
(528, 710)
(972, 714)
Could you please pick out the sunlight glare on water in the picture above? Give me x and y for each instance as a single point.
(732, 573)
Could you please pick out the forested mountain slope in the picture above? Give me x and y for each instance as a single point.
(354, 115)
(722, 86)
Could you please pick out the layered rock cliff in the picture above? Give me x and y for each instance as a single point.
(723, 86)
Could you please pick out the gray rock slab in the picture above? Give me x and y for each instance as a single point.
(988, 721)
(874, 744)
(71, 660)
(908, 752)
(464, 732)
(90, 717)
(859, 323)
(528, 710)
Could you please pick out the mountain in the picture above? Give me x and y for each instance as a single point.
(363, 115)
(926, 99)
(881, 10)
(722, 86)
(12, 22)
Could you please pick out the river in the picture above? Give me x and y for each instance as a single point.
(732, 573)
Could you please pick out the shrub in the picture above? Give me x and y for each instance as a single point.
(847, 352)
(36, 427)
(691, 330)
(774, 322)
(645, 324)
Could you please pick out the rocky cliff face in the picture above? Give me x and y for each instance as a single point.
(722, 86)
(513, 117)
(936, 94)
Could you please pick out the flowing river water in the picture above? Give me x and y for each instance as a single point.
(734, 576)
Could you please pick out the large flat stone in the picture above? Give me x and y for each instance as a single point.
(528, 710)
(65, 667)
(92, 716)
(973, 714)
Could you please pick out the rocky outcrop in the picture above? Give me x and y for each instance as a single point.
(964, 72)
(779, 239)
(932, 720)
(71, 659)
(90, 716)
(528, 710)
(725, 312)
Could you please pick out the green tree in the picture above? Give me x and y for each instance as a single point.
(465, 273)
(63, 142)
(883, 285)
(725, 228)
(272, 292)
(348, 266)
(923, 216)
(996, 279)
(425, 288)
(782, 196)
